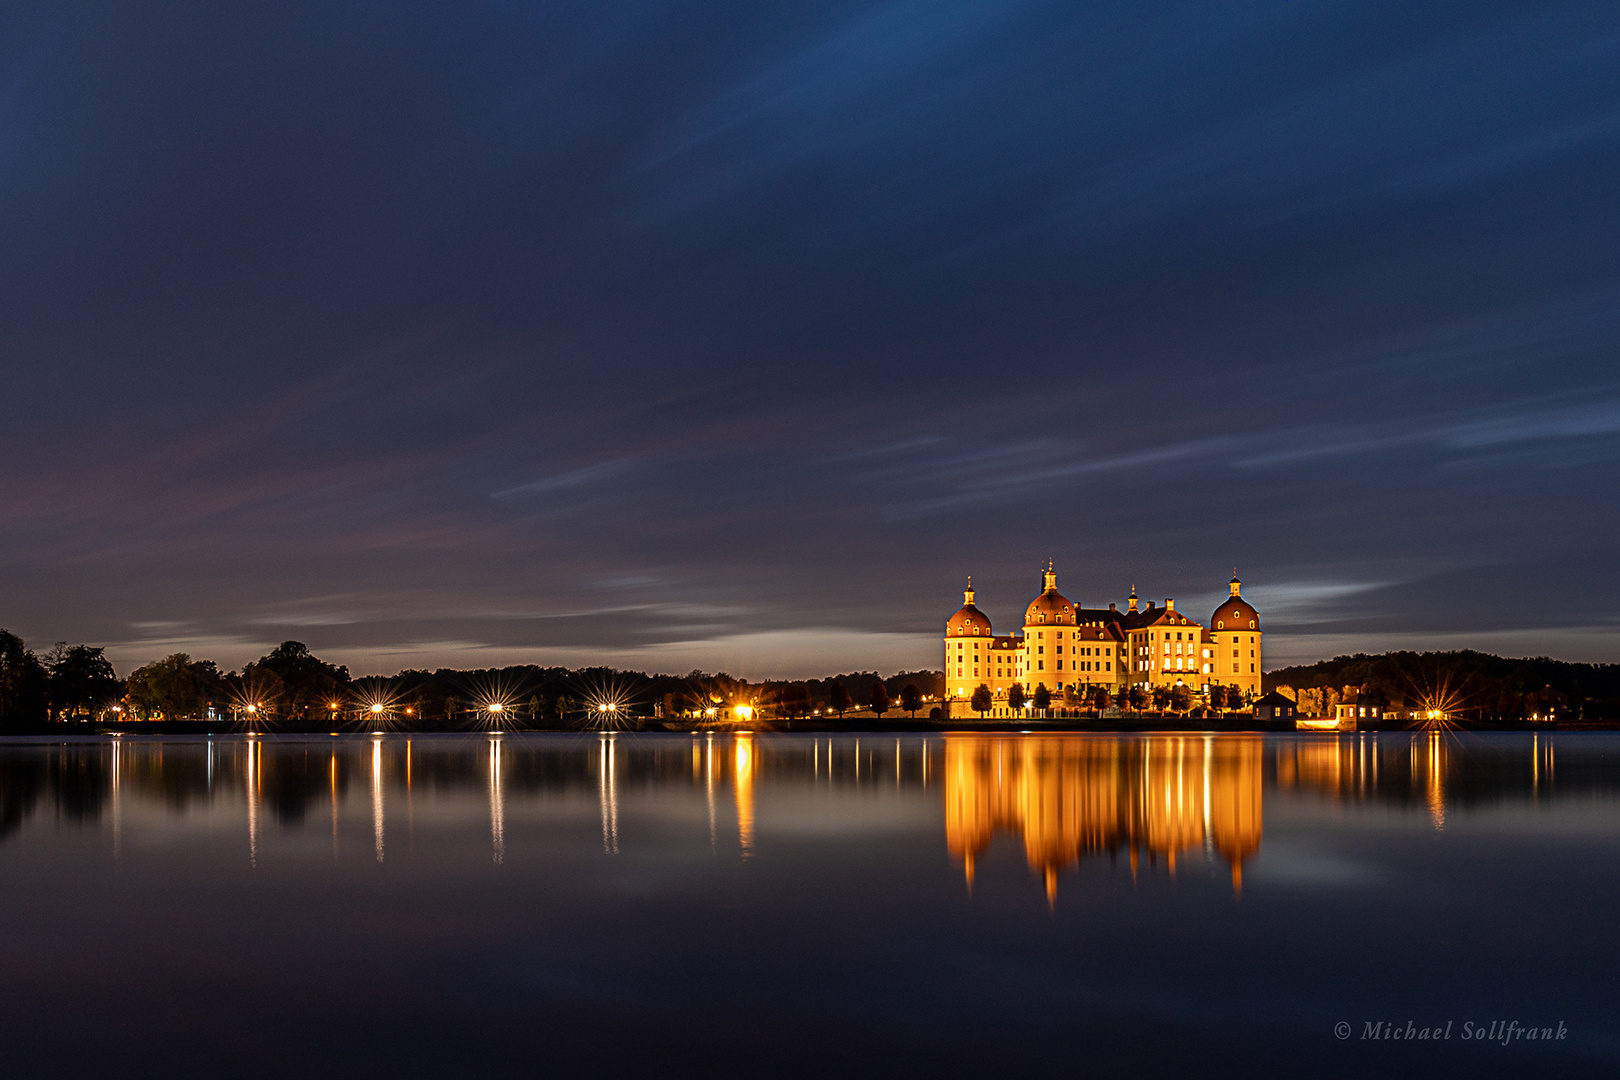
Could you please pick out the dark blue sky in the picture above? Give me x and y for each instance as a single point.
(733, 335)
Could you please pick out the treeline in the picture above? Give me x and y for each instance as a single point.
(291, 687)
(1465, 683)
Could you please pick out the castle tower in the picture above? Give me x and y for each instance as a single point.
(1235, 629)
(967, 646)
(1049, 638)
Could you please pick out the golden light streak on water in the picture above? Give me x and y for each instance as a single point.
(744, 780)
(331, 769)
(497, 804)
(117, 799)
(1437, 779)
(377, 797)
(254, 763)
(709, 784)
(410, 803)
(608, 793)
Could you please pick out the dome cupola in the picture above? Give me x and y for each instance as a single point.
(1235, 613)
(1051, 606)
(969, 621)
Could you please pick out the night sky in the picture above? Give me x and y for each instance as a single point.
(734, 335)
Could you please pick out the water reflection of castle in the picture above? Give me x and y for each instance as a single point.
(1068, 797)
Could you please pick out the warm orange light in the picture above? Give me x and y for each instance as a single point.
(745, 712)
(374, 708)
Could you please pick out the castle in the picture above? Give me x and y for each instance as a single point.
(1078, 653)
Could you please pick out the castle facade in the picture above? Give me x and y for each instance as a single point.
(1077, 653)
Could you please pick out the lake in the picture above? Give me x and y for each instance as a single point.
(787, 905)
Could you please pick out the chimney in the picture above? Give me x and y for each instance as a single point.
(1169, 605)
(1113, 607)
(1150, 605)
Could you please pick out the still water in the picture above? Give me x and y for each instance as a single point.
(777, 905)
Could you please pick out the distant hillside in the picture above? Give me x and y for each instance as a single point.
(1476, 683)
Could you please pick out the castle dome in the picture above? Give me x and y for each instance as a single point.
(969, 621)
(1235, 613)
(1051, 606)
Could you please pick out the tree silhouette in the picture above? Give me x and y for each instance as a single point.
(981, 700)
(879, 701)
(22, 683)
(839, 699)
(175, 687)
(1043, 698)
(911, 699)
(1015, 696)
(81, 680)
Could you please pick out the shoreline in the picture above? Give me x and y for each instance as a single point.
(1146, 725)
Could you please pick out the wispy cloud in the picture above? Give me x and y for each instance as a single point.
(575, 478)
